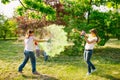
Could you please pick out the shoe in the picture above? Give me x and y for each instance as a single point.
(93, 70)
(20, 72)
(88, 74)
(36, 73)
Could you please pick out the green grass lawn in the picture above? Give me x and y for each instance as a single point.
(106, 60)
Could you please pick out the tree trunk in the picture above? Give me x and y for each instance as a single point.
(117, 25)
(5, 34)
(88, 20)
(4, 37)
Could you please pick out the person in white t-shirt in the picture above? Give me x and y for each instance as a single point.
(29, 51)
(91, 39)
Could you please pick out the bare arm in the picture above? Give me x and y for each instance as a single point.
(78, 31)
(89, 42)
(40, 40)
(75, 30)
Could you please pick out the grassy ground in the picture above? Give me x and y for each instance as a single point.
(106, 60)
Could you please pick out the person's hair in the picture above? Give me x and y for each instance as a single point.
(36, 43)
(28, 33)
(95, 32)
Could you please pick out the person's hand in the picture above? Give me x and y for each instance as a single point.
(83, 33)
(75, 30)
(49, 40)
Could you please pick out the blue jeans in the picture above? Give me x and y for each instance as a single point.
(43, 53)
(28, 54)
(87, 57)
(45, 56)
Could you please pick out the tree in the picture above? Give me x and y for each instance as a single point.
(117, 15)
(7, 27)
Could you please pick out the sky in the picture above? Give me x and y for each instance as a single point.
(102, 8)
(8, 10)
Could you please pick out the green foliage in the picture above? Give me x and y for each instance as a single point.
(101, 22)
(20, 10)
(36, 6)
(5, 1)
(75, 19)
(76, 46)
(115, 25)
(105, 23)
(51, 17)
(7, 28)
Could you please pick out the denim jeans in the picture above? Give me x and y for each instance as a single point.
(87, 57)
(38, 53)
(45, 56)
(28, 54)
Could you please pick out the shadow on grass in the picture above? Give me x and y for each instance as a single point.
(14, 52)
(9, 50)
(109, 77)
(40, 77)
(76, 61)
(108, 55)
(104, 55)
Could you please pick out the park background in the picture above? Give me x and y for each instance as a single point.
(56, 19)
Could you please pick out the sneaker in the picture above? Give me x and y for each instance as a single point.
(88, 74)
(36, 73)
(93, 70)
(20, 72)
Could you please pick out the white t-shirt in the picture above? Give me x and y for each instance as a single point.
(29, 43)
(91, 45)
(37, 47)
